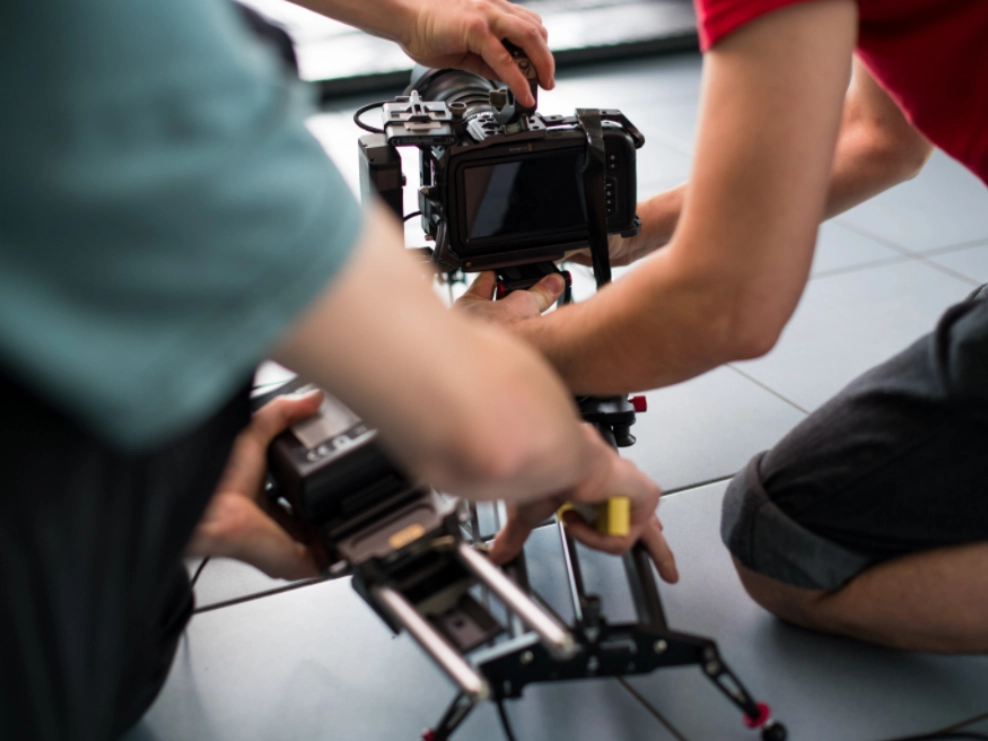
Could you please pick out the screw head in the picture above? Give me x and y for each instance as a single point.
(712, 667)
(527, 657)
(660, 646)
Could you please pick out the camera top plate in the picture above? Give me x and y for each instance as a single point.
(411, 121)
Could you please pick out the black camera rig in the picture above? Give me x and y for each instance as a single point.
(501, 186)
(409, 548)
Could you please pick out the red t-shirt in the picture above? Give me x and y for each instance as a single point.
(930, 55)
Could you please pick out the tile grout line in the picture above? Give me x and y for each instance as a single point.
(847, 269)
(861, 231)
(920, 257)
(947, 271)
(772, 391)
(958, 247)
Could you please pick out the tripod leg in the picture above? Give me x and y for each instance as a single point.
(644, 590)
(757, 715)
(456, 713)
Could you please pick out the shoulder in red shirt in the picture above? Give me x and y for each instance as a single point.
(930, 55)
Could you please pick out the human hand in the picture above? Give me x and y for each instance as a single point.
(659, 216)
(623, 250)
(467, 34)
(514, 308)
(618, 477)
(239, 522)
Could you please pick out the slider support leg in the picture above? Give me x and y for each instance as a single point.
(457, 712)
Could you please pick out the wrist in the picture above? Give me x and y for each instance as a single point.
(599, 475)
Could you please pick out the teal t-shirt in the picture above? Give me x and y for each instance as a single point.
(164, 212)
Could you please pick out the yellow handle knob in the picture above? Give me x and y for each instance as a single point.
(612, 517)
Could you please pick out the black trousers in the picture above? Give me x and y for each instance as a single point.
(896, 463)
(93, 592)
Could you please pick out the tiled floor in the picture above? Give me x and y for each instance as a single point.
(313, 662)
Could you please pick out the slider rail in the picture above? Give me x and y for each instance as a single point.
(558, 641)
(470, 682)
(574, 576)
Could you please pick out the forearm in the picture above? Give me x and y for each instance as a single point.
(385, 18)
(734, 271)
(863, 167)
(877, 148)
(654, 327)
(465, 406)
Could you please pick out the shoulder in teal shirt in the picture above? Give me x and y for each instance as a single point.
(164, 212)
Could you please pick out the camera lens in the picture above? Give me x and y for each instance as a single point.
(456, 87)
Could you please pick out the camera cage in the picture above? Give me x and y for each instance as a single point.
(413, 554)
(478, 123)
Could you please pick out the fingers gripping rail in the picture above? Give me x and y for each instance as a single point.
(603, 649)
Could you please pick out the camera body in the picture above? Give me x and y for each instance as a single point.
(500, 186)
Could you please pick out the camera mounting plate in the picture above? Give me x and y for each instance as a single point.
(411, 121)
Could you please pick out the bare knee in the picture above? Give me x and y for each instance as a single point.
(792, 604)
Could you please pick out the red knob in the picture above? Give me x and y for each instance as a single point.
(764, 713)
(640, 403)
(428, 735)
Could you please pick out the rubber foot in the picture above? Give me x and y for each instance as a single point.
(774, 732)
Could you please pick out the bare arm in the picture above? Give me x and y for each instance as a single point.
(466, 34)
(877, 149)
(464, 405)
(735, 268)
(454, 400)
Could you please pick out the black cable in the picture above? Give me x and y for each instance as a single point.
(361, 111)
(505, 723)
(412, 215)
(195, 576)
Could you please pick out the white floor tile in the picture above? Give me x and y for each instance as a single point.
(846, 323)
(840, 248)
(821, 687)
(971, 262)
(318, 663)
(945, 205)
(707, 428)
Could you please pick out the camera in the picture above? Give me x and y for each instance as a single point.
(500, 185)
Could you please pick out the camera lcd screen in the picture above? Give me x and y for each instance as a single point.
(530, 195)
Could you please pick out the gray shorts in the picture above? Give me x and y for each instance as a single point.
(896, 463)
